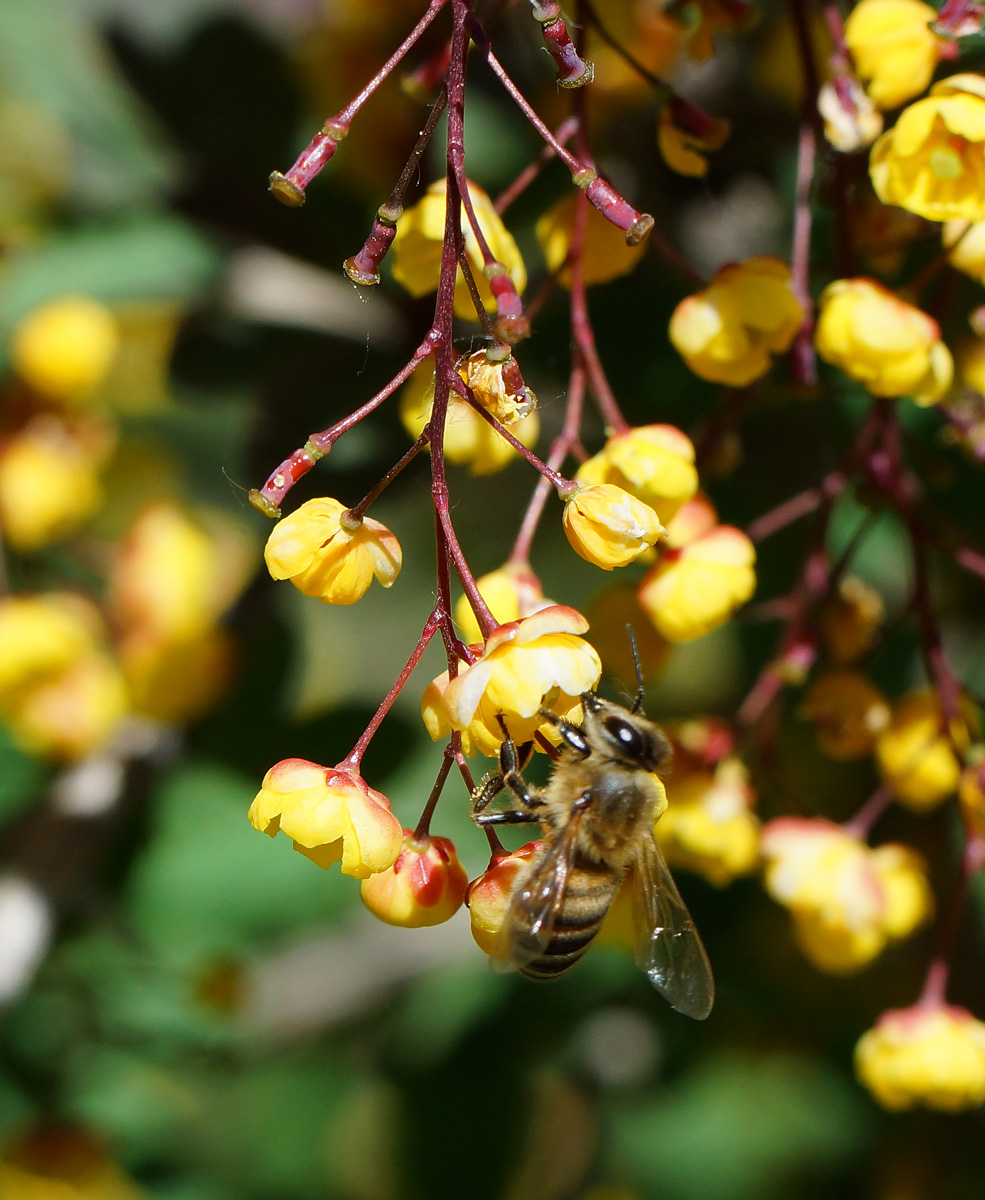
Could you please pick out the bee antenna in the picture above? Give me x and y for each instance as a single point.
(638, 703)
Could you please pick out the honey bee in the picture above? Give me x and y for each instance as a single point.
(597, 812)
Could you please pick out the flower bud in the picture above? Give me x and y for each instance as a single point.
(934, 1056)
(425, 886)
(915, 757)
(848, 713)
(325, 558)
(851, 619)
(609, 527)
(331, 813)
(894, 48)
(654, 463)
(489, 896)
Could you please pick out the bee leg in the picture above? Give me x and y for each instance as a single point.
(572, 734)
(513, 816)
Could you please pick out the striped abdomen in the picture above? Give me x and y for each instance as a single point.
(588, 895)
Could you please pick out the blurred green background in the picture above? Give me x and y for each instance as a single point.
(200, 1005)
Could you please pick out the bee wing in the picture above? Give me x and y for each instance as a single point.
(668, 946)
(529, 925)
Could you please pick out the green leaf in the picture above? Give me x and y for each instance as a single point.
(210, 885)
(740, 1126)
(21, 778)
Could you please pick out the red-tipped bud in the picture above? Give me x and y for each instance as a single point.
(289, 188)
(573, 71)
(364, 267)
(489, 896)
(510, 326)
(425, 886)
(614, 208)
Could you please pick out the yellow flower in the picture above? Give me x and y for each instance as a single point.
(914, 755)
(174, 682)
(705, 572)
(331, 813)
(851, 120)
(416, 250)
(683, 147)
(468, 439)
(847, 711)
(965, 243)
(511, 592)
(498, 386)
(933, 1056)
(654, 463)
(59, 1162)
(851, 619)
(170, 579)
(708, 827)
(65, 348)
(321, 558)
(489, 895)
(847, 900)
(605, 254)
(609, 527)
(540, 662)
(894, 48)
(49, 481)
(887, 345)
(425, 886)
(932, 162)
(72, 713)
(42, 635)
(728, 331)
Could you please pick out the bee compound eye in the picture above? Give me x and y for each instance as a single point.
(628, 737)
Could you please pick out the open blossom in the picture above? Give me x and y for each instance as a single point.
(416, 249)
(934, 1056)
(705, 572)
(847, 900)
(425, 886)
(331, 814)
(42, 635)
(654, 463)
(708, 826)
(848, 713)
(609, 527)
(540, 662)
(729, 331)
(489, 895)
(932, 162)
(916, 757)
(65, 348)
(325, 559)
(889, 346)
(894, 48)
(605, 253)
(469, 440)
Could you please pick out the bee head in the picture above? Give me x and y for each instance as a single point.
(622, 735)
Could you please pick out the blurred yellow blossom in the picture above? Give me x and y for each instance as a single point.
(42, 635)
(609, 614)
(848, 713)
(511, 592)
(889, 346)
(605, 254)
(915, 756)
(705, 572)
(654, 463)
(61, 1162)
(708, 826)
(847, 900)
(934, 1056)
(609, 527)
(683, 146)
(932, 162)
(416, 249)
(50, 480)
(894, 48)
(325, 558)
(64, 349)
(332, 815)
(851, 619)
(425, 886)
(965, 245)
(729, 330)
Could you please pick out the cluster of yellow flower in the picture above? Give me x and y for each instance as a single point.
(517, 662)
(72, 668)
